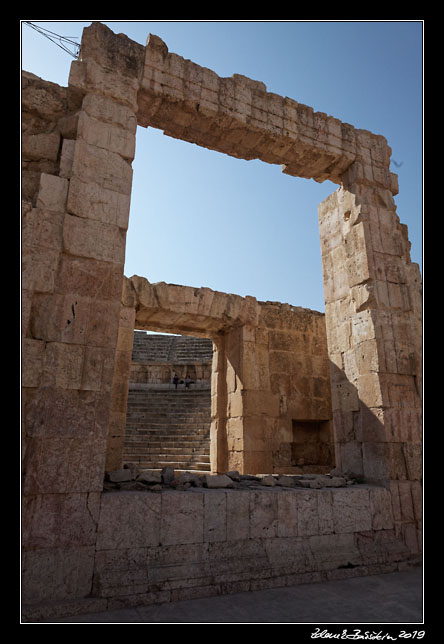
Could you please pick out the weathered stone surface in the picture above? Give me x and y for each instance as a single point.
(52, 193)
(218, 481)
(121, 524)
(263, 514)
(117, 476)
(167, 475)
(182, 518)
(271, 360)
(269, 481)
(150, 476)
(51, 574)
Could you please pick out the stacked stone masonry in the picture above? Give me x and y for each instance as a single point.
(156, 359)
(86, 549)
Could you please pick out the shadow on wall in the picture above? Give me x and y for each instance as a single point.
(378, 444)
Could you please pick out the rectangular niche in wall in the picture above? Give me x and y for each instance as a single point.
(312, 445)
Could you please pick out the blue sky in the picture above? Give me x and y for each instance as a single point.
(201, 218)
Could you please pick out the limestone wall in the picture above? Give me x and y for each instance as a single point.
(147, 547)
(157, 358)
(270, 369)
(79, 315)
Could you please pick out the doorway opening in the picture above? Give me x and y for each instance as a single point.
(168, 414)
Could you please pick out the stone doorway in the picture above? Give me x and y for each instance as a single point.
(168, 420)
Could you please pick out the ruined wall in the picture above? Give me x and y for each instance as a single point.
(270, 368)
(75, 219)
(79, 316)
(156, 358)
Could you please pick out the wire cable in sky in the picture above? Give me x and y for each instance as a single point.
(61, 41)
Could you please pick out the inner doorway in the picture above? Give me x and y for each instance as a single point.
(169, 402)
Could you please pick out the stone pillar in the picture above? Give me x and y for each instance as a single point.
(74, 317)
(218, 429)
(119, 397)
(373, 317)
(252, 409)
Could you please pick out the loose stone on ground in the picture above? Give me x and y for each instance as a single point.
(131, 478)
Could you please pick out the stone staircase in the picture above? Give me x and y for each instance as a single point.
(172, 349)
(168, 427)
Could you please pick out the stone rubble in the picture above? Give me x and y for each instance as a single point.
(132, 478)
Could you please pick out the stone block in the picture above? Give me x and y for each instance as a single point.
(367, 357)
(258, 403)
(410, 537)
(178, 566)
(287, 514)
(39, 269)
(89, 77)
(57, 318)
(215, 517)
(121, 572)
(344, 397)
(108, 111)
(150, 476)
(129, 520)
(94, 239)
(255, 461)
(119, 476)
(308, 517)
(263, 514)
(108, 169)
(381, 509)
(61, 413)
(106, 136)
(371, 390)
(52, 574)
(60, 520)
(376, 459)
(234, 560)
(351, 510)
(67, 158)
(47, 229)
(371, 425)
(98, 369)
(63, 365)
(89, 200)
(325, 512)
(406, 501)
(350, 457)
(182, 518)
(288, 556)
(52, 193)
(61, 465)
(115, 446)
(85, 277)
(329, 552)
(33, 352)
(36, 147)
(238, 515)
(235, 404)
(413, 460)
(218, 481)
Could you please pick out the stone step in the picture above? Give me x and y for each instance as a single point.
(161, 453)
(168, 427)
(166, 455)
(163, 434)
(171, 349)
(167, 442)
(187, 466)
